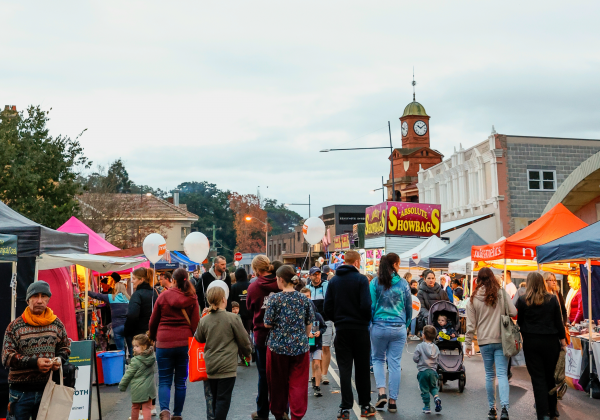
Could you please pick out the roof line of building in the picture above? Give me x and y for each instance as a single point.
(555, 138)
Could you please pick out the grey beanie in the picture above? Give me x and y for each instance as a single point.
(38, 287)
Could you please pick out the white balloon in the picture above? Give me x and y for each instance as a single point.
(313, 230)
(154, 247)
(221, 284)
(196, 247)
(416, 306)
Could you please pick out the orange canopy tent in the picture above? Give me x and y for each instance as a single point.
(518, 252)
(555, 224)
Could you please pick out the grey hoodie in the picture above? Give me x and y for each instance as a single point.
(426, 356)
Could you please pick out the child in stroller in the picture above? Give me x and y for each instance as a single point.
(444, 315)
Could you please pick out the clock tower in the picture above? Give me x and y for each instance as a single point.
(415, 126)
(416, 153)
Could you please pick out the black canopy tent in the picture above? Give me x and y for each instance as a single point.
(33, 240)
(460, 248)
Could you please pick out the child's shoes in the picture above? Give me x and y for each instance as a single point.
(438, 404)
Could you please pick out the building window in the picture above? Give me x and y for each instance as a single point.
(284, 244)
(298, 236)
(541, 180)
(278, 249)
(184, 232)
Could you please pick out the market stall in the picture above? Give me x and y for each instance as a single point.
(582, 247)
(432, 243)
(430, 248)
(518, 252)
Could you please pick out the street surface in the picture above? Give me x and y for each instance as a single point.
(472, 404)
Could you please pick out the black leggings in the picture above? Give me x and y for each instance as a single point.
(541, 355)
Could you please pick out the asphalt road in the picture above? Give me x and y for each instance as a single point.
(472, 404)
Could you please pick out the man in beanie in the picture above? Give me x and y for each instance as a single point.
(35, 344)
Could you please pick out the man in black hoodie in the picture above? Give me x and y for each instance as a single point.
(348, 305)
(217, 272)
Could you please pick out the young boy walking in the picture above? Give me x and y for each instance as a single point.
(316, 349)
(426, 357)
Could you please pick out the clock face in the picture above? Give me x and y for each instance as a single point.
(420, 128)
(404, 129)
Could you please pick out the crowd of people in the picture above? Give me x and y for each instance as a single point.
(287, 327)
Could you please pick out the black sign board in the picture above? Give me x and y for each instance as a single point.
(83, 355)
(351, 218)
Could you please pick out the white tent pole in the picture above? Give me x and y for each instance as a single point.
(85, 316)
(589, 264)
(35, 276)
(504, 278)
(13, 306)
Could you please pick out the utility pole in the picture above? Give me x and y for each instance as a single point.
(213, 245)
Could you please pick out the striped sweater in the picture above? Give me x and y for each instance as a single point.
(24, 344)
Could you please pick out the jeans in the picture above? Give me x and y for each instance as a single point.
(387, 342)
(120, 340)
(413, 326)
(169, 361)
(262, 399)
(218, 397)
(353, 347)
(24, 404)
(492, 354)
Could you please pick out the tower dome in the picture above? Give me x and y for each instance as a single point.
(414, 108)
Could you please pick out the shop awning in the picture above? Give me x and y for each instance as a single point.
(457, 224)
(522, 245)
(457, 250)
(97, 263)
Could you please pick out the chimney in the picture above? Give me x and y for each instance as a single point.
(14, 108)
(7, 107)
(176, 197)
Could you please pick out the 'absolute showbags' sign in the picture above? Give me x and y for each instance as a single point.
(403, 219)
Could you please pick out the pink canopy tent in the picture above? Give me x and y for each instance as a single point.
(60, 279)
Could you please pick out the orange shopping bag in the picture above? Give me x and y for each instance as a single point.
(197, 363)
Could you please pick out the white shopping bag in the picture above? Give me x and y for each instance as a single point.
(57, 400)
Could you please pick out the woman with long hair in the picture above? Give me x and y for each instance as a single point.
(552, 288)
(289, 316)
(484, 310)
(174, 320)
(141, 302)
(543, 335)
(118, 302)
(391, 308)
(259, 292)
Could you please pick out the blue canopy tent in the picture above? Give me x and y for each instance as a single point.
(578, 247)
(457, 250)
(191, 265)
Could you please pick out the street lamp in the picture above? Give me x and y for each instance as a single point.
(249, 219)
(302, 204)
(371, 148)
(382, 190)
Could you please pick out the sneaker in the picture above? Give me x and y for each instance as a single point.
(368, 411)
(415, 338)
(381, 401)
(504, 415)
(371, 370)
(343, 414)
(325, 380)
(392, 408)
(426, 410)
(438, 404)
(317, 391)
(492, 414)
(255, 416)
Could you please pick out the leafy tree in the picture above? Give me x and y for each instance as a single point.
(213, 208)
(250, 234)
(282, 219)
(117, 175)
(39, 172)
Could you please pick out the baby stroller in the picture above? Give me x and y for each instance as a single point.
(450, 364)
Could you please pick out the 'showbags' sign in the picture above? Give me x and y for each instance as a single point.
(403, 219)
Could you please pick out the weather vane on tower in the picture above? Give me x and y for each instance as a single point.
(414, 84)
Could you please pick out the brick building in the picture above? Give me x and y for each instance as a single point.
(504, 183)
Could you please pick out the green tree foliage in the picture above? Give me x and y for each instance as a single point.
(39, 172)
(281, 219)
(212, 207)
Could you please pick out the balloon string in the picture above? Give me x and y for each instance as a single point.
(307, 254)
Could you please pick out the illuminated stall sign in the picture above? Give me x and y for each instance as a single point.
(345, 241)
(337, 243)
(403, 219)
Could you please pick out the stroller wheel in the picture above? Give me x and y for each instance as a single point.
(461, 384)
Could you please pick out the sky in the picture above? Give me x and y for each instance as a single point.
(245, 94)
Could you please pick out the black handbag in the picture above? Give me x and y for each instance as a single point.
(69, 375)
